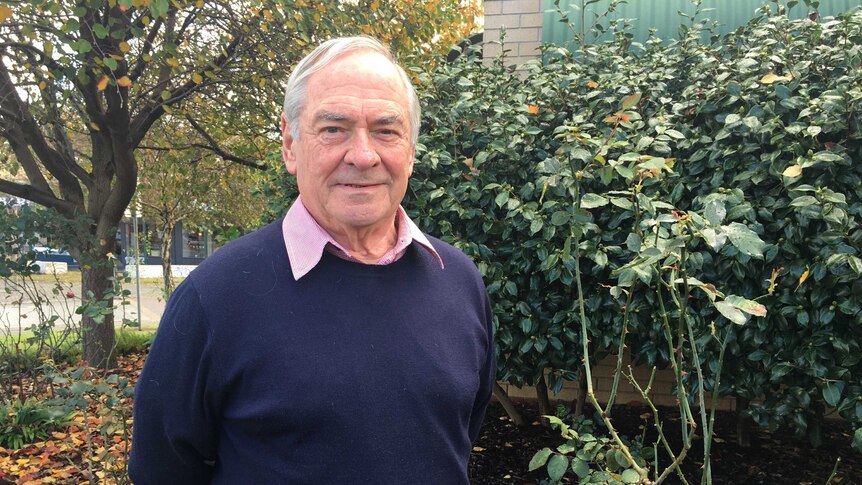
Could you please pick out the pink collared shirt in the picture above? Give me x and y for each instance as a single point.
(305, 240)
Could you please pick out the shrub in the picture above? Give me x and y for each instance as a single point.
(28, 421)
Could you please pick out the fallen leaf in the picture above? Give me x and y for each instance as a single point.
(772, 77)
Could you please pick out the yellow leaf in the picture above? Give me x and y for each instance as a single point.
(592, 84)
(792, 171)
(5, 13)
(124, 81)
(102, 84)
(533, 109)
(772, 77)
(124, 47)
(95, 127)
(42, 85)
(200, 4)
(803, 277)
(172, 61)
(197, 78)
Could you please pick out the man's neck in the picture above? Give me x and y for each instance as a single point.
(368, 245)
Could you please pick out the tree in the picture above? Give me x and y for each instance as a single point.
(193, 187)
(82, 84)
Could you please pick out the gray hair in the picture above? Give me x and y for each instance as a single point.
(325, 54)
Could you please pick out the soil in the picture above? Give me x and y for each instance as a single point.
(503, 451)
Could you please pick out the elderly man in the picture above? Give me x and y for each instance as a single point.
(340, 344)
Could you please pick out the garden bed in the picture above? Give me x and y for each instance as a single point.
(503, 451)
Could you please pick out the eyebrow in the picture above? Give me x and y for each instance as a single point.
(387, 120)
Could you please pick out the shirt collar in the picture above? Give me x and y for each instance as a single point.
(305, 240)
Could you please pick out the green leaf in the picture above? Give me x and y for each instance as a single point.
(536, 226)
(582, 468)
(857, 440)
(827, 157)
(732, 118)
(630, 101)
(100, 31)
(731, 312)
(748, 306)
(832, 392)
(539, 459)
(804, 201)
(501, 199)
(591, 201)
(715, 212)
(560, 218)
(674, 134)
(110, 63)
(745, 240)
(630, 476)
(557, 466)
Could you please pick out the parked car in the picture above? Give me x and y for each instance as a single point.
(44, 253)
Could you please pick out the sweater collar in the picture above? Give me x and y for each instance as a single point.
(305, 240)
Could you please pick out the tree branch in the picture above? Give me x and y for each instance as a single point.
(215, 148)
(40, 197)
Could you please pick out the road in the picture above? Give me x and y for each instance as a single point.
(19, 311)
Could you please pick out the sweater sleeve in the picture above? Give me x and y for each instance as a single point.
(487, 376)
(175, 435)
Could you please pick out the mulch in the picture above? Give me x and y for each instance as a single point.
(503, 451)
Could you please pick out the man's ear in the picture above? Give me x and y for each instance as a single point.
(287, 140)
(412, 161)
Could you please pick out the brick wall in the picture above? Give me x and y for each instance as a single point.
(523, 22)
(603, 380)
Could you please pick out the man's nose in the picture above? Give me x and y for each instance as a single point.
(361, 153)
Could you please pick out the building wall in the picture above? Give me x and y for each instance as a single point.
(522, 20)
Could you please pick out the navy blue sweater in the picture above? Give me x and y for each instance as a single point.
(353, 374)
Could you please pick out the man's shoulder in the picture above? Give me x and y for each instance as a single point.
(260, 250)
(453, 258)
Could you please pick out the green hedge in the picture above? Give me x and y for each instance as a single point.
(758, 133)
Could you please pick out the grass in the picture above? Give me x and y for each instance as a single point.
(17, 353)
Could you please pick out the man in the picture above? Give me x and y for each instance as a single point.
(340, 344)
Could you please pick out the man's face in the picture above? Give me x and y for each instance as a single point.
(354, 155)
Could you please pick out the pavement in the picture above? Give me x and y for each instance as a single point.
(19, 309)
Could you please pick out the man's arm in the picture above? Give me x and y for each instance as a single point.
(174, 436)
(487, 377)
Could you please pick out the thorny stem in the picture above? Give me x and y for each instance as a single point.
(620, 351)
(685, 412)
(707, 438)
(656, 422)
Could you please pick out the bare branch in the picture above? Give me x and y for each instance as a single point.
(38, 196)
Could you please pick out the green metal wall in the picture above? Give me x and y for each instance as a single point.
(663, 15)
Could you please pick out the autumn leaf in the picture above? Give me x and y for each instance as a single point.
(803, 277)
(792, 171)
(197, 78)
(533, 109)
(124, 81)
(124, 47)
(5, 13)
(772, 77)
(592, 84)
(103, 83)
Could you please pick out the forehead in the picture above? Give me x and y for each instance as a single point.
(363, 80)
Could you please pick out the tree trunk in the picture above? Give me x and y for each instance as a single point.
(97, 322)
(542, 398)
(743, 423)
(508, 405)
(167, 272)
(581, 398)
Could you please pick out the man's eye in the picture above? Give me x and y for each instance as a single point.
(332, 129)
